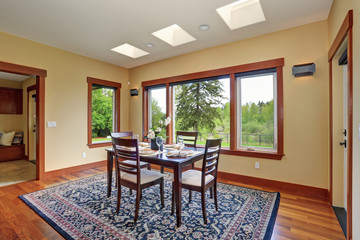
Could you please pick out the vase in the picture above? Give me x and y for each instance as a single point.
(154, 146)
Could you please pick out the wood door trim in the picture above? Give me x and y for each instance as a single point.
(40, 106)
(344, 31)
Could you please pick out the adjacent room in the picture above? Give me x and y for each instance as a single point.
(233, 119)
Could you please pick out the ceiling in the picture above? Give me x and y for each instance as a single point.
(13, 76)
(92, 27)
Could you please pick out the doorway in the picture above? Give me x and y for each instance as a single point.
(40, 75)
(340, 57)
(31, 123)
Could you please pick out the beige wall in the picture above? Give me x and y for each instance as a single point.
(66, 97)
(10, 84)
(305, 99)
(336, 17)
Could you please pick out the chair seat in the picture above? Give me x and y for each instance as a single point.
(142, 164)
(193, 178)
(146, 176)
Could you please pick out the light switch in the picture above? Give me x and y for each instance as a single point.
(51, 124)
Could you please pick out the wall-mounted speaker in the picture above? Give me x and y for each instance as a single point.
(134, 92)
(302, 70)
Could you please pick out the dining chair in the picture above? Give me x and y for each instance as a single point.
(190, 139)
(133, 178)
(127, 135)
(200, 181)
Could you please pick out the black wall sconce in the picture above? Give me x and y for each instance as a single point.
(134, 92)
(302, 70)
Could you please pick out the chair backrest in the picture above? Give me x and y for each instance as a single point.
(211, 158)
(190, 138)
(122, 134)
(127, 149)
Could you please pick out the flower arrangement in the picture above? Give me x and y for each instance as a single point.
(153, 133)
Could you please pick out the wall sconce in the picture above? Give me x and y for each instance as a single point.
(134, 92)
(302, 70)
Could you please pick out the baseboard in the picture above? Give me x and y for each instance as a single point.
(285, 187)
(278, 186)
(74, 169)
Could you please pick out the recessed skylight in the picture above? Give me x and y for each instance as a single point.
(174, 35)
(242, 13)
(129, 50)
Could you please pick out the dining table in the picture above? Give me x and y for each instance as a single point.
(162, 159)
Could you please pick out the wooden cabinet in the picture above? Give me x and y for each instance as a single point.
(11, 101)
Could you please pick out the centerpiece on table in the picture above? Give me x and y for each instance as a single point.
(157, 134)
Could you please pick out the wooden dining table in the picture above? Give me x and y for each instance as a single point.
(175, 163)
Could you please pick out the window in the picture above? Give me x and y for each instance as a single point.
(256, 108)
(203, 106)
(103, 111)
(157, 106)
(243, 104)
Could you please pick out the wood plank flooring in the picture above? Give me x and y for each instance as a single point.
(298, 217)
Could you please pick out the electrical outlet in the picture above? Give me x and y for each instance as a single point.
(257, 165)
(84, 154)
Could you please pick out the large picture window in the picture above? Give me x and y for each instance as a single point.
(243, 104)
(203, 106)
(103, 111)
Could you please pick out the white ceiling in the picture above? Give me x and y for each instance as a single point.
(13, 76)
(92, 27)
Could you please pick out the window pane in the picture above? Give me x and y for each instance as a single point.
(256, 103)
(203, 107)
(157, 108)
(102, 114)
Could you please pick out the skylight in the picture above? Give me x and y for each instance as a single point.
(129, 50)
(174, 35)
(242, 13)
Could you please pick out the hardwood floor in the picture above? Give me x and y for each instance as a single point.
(298, 217)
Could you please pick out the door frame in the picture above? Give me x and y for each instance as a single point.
(344, 31)
(40, 109)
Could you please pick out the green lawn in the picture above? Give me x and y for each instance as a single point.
(104, 139)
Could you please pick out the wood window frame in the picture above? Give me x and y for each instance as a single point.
(231, 71)
(91, 81)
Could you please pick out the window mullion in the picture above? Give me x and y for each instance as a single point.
(233, 115)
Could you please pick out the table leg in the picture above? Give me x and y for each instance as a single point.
(178, 193)
(110, 163)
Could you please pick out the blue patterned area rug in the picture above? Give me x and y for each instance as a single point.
(81, 210)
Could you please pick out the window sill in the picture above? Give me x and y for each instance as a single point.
(97, 145)
(254, 154)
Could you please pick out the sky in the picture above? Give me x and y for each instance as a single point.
(253, 89)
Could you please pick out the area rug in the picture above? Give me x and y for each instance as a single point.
(81, 210)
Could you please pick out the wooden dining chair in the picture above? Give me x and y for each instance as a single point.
(127, 135)
(200, 181)
(133, 178)
(190, 139)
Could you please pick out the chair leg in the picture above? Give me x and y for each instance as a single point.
(203, 206)
(211, 189)
(130, 191)
(162, 169)
(215, 196)
(172, 199)
(118, 198)
(137, 204)
(190, 196)
(162, 192)
(149, 166)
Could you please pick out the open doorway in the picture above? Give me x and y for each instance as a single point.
(39, 75)
(31, 123)
(15, 166)
(340, 58)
